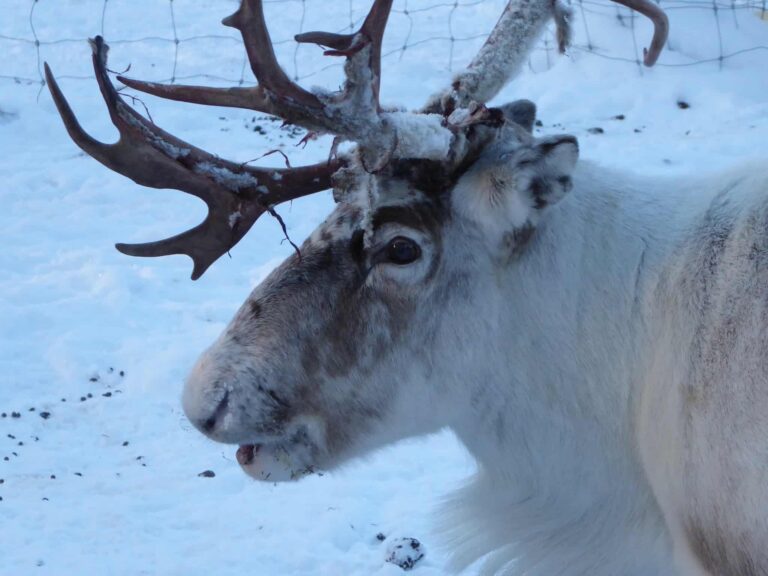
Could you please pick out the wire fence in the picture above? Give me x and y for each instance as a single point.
(447, 34)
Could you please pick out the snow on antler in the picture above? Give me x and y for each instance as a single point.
(500, 58)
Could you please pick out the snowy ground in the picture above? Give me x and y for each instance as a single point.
(108, 482)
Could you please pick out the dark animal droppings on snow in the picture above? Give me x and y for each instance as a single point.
(404, 552)
(15, 414)
(380, 537)
(619, 117)
(683, 105)
(596, 130)
(107, 394)
(125, 443)
(207, 474)
(45, 415)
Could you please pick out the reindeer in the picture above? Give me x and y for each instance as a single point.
(598, 340)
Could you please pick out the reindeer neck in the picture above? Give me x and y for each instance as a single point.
(569, 319)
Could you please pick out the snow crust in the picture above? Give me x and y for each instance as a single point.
(227, 178)
(171, 150)
(421, 135)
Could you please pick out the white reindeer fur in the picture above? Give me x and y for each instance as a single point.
(569, 370)
(585, 373)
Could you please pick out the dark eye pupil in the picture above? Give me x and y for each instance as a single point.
(402, 251)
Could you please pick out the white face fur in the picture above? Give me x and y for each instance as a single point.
(331, 356)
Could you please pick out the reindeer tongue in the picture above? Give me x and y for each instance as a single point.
(246, 453)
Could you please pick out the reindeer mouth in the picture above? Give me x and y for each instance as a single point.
(279, 461)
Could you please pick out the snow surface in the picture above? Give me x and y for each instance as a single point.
(109, 482)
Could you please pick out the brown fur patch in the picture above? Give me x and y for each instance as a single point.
(721, 553)
(426, 216)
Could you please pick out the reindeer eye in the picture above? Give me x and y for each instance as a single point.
(401, 251)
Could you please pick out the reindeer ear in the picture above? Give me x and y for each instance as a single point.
(559, 152)
(507, 190)
(552, 178)
(521, 112)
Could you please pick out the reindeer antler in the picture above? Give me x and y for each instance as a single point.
(504, 52)
(660, 27)
(353, 113)
(236, 195)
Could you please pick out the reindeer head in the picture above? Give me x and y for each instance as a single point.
(341, 348)
(335, 352)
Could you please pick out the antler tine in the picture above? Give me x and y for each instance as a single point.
(276, 94)
(227, 223)
(200, 243)
(356, 110)
(660, 27)
(248, 98)
(253, 98)
(236, 195)
(249, 20)
(370, 33)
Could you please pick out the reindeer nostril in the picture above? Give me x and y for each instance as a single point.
(209, 424)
